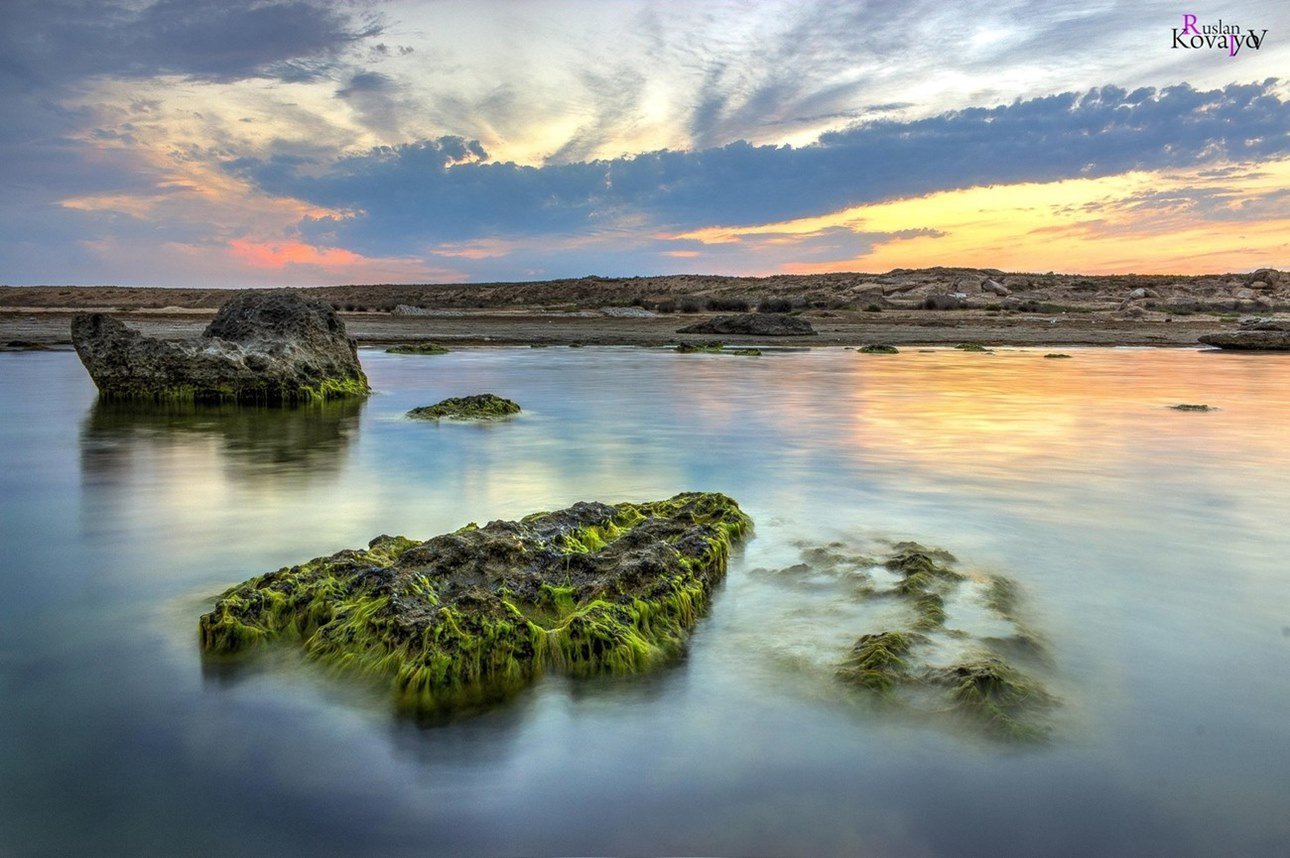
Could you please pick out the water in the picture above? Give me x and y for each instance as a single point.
(1149, 545)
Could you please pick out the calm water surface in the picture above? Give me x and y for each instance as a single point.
(1151, 547)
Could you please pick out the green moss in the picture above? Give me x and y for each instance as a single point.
(1001, 596)
(1056, 356)
(331, 388)
(417, 349)
(878, 661)
(878, 349)
(998, 697)
(746, 352)
(700, 348)
(474, 615)
(484, 406)
(971, 347)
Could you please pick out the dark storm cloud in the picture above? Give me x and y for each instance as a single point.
(422, 193)
(48, 41)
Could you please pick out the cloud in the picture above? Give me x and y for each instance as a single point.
(445, 190)
(46, 41)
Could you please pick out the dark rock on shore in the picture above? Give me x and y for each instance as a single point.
(754, 324)
(1249, 340)
(262, 346)
(481, 406)
(477, 614)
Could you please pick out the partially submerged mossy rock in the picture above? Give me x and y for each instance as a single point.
(878, 349)
(971, 347)
(1189, 407)
(942, 643)
(477, 614)
(265, 346)
(482, 406)
(417, 349)
(994, 695)
(700, 348)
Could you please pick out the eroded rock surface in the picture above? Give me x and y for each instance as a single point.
(475, 615)
(262, 346)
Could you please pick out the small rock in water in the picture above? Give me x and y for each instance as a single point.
(1186, 407)
(483, 406)
(878, 349)
(1055, 356)
(417, 349)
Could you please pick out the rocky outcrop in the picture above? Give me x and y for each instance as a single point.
(477, 614)
(262, 346)
(754, 325)
(1254, 335)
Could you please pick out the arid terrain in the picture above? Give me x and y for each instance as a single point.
(925, 306)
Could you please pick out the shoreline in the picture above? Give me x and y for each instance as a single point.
(51, 328)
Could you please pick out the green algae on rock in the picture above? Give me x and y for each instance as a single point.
(972, 347)
(941, 643)
(1186, 407)
(475, 615)
(417, 349)
(482, 406)
(878, 349)
(1056, 356)
(991, 693)
(746, 352)
(700, 348)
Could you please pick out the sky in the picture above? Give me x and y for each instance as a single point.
(312, 142)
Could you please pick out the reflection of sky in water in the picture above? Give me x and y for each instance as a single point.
(1149, 545)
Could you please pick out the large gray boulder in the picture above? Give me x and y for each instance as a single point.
(262, 346)
(755, 325)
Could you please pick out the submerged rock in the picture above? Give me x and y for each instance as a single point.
(481, 406)
(262, 346)
(754, 324)
(417, 349)
(1249, 340)
(941, 642)
(1188, 407)
(699, 348)
(477, 614)
(878, 349)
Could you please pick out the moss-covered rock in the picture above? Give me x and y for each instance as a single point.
(878, 349)
(942, 644)
(417, 349)
(700, 348)
(477, 614)
(1189, 407)
(980, 685)
(971, 347)
(1056, 356)
(483, 406)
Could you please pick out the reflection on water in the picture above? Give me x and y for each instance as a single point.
(255, 443)
(1147, 544)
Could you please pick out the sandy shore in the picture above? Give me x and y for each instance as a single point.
(51, 327)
